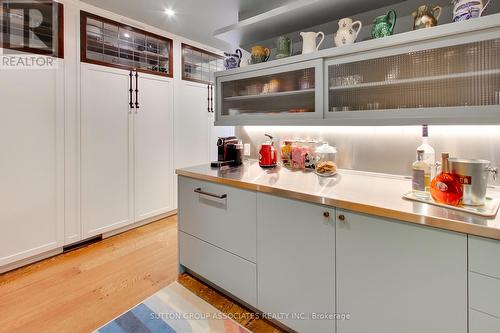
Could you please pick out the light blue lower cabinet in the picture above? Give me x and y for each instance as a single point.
(295, 263)
(394, 277)
(484, 285)
(483, 323)
(234, 274)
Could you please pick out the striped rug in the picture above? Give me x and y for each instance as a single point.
(173, 310)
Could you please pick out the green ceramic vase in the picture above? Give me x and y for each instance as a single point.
(383, 26)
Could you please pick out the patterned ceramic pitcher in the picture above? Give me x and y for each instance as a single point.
(383, 26)
(467, 9)
(233, 60)
(426, 16)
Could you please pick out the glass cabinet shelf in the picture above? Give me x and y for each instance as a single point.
(456, 76)
(291, 90)
(110, 43)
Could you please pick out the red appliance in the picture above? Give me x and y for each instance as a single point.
(268, 154)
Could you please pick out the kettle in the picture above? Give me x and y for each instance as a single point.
(268, 155)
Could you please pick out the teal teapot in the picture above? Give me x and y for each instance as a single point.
(383, 26)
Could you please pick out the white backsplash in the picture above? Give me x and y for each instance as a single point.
(390, 150)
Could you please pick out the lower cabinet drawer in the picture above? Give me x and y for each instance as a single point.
(483, 256)
(220, 215)
(483, 323)
(231, 273)
(484, 294)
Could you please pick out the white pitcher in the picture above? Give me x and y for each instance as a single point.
(309, 41)
(346, 33)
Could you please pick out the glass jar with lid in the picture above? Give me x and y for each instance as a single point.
(326, 160)
(286, 153)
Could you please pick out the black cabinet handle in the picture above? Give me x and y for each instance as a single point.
(208, 98)
(136, 90)
(212, 98)
(131, 104)
(200, 191)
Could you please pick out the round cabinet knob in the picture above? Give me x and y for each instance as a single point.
(326, 214)
(342, 218)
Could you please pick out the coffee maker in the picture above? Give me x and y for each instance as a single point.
(229, 152)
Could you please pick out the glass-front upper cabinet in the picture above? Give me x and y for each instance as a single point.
(450, 80)
(110, 43)
(286, 93)
(200, 65)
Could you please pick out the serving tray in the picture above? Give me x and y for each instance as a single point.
(490, 209)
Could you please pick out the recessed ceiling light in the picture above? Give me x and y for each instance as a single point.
(169, 12)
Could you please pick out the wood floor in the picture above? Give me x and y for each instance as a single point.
(81, 290)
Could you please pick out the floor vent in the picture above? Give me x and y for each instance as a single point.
(85, 243)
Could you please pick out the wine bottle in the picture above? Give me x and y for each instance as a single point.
(429, 153)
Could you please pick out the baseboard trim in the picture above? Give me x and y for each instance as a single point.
(28, 261)
(70, 247)
(139, 224)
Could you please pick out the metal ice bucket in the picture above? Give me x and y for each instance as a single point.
(473, 175)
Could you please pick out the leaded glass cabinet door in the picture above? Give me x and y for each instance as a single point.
(200, 65)
(285, 94)
(449, 84)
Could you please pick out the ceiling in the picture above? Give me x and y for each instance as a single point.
(249, 8)
(194, 19)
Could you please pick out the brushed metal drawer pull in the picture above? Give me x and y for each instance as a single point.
(199, 191)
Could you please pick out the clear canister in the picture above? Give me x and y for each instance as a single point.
(286, 153)
(326, 160)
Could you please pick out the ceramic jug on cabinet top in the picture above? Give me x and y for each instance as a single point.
(347, 33)
(426, 16)
(383, 26)
(309, 41)
(260, 54)
(467, 9)
(284, 47)
(233, 60)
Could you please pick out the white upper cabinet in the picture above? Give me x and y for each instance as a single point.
(393, 277)
(106, 150)
(31, 162)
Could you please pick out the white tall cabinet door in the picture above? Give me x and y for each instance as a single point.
(31, 162)
(216, 132)
(295, 262)
(153, 147)
(194, 127)
(396, 277)
(106, 146)
(192, 136)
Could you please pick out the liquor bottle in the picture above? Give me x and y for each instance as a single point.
(429, 153)
(421, 174)
(445, 187)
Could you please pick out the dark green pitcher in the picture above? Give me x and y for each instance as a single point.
(383, 26)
